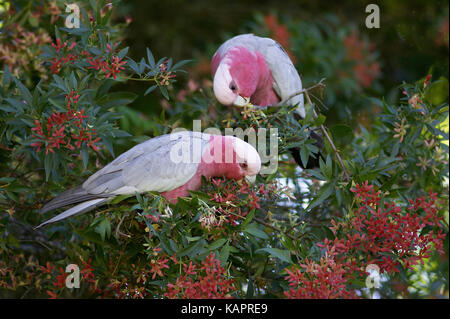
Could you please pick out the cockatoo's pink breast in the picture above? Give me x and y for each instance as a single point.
(264, 94)
(213, 164)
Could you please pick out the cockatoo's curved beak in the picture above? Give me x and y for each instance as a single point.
(251, 179)
(241, 101)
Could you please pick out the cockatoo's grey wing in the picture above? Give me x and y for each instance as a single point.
(286, 78)
(155, 165)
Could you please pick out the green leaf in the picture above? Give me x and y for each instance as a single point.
(164, 92)
(24, 91)
(150, 59)
(250, 289)
(224, 254)
(73, 81)
(180, 64)
(304, 155)
(191, 249)
(319, 120)
(102, 226)
(324, 193)
(117, 99)
(119, 198)
(217, 244)
(253, 229)
(85, 154)
(437, 92)
(278, 253)
(7, 77)
(150, 89)
(249, 217)
(47, 166)
(190, 239)
(122, 53)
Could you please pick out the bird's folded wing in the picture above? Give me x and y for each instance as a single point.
(149, 166)
(285, 75)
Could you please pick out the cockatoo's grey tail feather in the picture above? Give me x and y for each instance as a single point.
(76, 210)
(72, 196)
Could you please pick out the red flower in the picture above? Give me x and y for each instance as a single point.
(209, 281)
(158, 265)
(60, 279)
(52, 294)
(383, 235)
(357, 51)
(55, 65)
(96, 64)
(427, 80)
(116, 66)
(59, 45)
(48, 269)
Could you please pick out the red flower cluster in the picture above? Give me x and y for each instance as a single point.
(110, 66)
(324, 280)
(59, 282)
(57, 63)
(231, 206)
(365, 71)
(128, 288)
(64, 128)
(388, 237)
(158, 265)
(378, 234)
(207, 281)
(113, 67)
(164, 75)
(279, 33)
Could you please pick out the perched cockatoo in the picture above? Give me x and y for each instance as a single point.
(170, 164)
(248, 68)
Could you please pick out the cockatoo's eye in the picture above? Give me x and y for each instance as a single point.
(233, 86)
(243, 165)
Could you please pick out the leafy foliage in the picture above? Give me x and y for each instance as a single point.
(294, 233)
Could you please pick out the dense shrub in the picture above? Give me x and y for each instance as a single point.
(294, 233)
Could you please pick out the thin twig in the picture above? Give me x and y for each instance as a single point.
(320, 83)
(273, 227)
(319, 100)
(259, 221)
(118, 232)
(324, 131)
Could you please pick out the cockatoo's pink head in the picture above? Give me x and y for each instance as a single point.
(231, 157)
(236, 75)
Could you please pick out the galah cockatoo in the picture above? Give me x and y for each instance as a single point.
(248, 68)
(170, 164)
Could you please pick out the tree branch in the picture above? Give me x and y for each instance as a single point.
(320, 83)
(325, 133)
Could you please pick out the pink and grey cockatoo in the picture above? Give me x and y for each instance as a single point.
(170, 164)
(248, 68)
